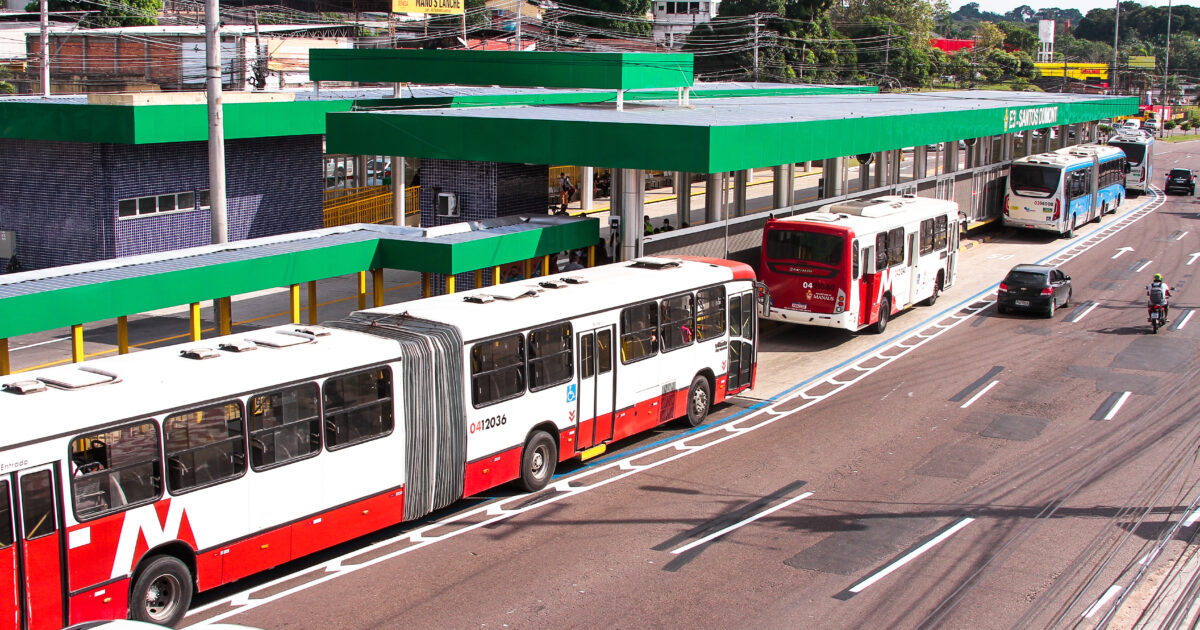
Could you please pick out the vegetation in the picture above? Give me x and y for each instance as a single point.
(108, 13)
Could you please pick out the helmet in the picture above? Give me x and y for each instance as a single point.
(1158, 277)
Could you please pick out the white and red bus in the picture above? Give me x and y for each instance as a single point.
(129, 483)
(854, 264)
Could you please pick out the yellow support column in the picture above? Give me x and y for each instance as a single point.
(224, 311)
(546, 265)
(478, 278)
(123, 335)
(77, 343)
(450, 283)
(294, 295)
(496, 275)
(194, 323)
(312, 302)
(592, 256)
(5, 368)
(377, 286)
(528, 267)
(362, 290)
(424, 284)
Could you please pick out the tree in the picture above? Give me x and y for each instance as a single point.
(109, 14)
(917, 16)
(1023, 13)
(988, 35)
(632, 8)
(1019, 37)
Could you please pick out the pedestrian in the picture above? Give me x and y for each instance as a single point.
(513, 275)
(565, 189)
(647, 227)
(666, 226)
(573, 263)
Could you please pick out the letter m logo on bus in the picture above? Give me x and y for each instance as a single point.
(148, 527)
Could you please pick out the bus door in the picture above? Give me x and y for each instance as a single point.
(31, 525)
(594, 414)
(915, 280)
(1094, 184)
(742, 318)
(952, 229)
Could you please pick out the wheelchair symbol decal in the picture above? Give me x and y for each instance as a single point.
(571, 393)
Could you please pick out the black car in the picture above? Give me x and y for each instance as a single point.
(1039, 288)
(1181, 179)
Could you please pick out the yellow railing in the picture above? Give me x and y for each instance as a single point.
(372, 204)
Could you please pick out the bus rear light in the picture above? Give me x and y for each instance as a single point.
(1005, 205)
(841, 302)
(1057, 209)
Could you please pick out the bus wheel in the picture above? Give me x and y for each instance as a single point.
(885, 309)
(937, 290)
(162, 592)
(1070, 229)
(699, 398)
(538, 461)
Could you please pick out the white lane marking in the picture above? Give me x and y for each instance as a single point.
(957, 314)
(1192, 258)
(1180, 237)
(718, 534)
(1192, 518)
(910, 556)
(1109, 594)
(1183, 322)
(1143, 267)
(40, 343)
(1085, 312)
(976, 396)
(1122, 250)
(1117, 406)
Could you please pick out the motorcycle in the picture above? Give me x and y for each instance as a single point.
(1157, 316)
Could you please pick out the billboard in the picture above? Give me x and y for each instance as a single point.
(1143, 61)
(445, 7)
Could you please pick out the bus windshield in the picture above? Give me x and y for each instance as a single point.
(813, 247)
(1026, 179)
(1134, 152)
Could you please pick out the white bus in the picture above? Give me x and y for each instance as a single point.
(856, 263)
(1061, 190)
(1139, 153)
(129, 483)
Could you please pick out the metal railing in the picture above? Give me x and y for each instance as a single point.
(370, 204)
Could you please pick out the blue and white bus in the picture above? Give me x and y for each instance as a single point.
(1139, 152)
(1064, 189)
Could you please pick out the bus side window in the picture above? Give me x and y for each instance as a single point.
(854, 261)
(926, 236)
(639, 326)
(870, 262)
(895, 243)
(940, 232)
(881, 255)
(205, 446)
(710, 313)
(285, 425)
(6, 522)
(115, 469)
(678, 322)
(550, 359)
(587, 356)
(358, 407)
(497, 370)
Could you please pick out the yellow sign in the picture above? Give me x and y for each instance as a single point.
(450, 7)
(1141, 61)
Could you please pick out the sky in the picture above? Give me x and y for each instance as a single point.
(1004, 6)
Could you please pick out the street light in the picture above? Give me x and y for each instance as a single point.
(1162, 128)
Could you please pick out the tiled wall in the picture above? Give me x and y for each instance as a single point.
(61, 197)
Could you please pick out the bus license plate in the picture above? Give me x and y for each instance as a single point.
(1022, 302)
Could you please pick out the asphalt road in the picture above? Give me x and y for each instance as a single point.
(967, 469)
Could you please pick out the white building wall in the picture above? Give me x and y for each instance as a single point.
(674, 19)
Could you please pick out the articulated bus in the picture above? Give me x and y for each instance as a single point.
(129, 483)
(1063, 189)
(1139, 153)
(854, 264)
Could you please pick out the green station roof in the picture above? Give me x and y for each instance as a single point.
(64, 296)
(709, 135)
(611, 71)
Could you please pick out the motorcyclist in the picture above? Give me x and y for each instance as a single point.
(1158, 292)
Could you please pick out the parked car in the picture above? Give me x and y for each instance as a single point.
(1181, 179)
(1037, 288)
(1150, 124)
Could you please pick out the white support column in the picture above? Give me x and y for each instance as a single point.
(950, 157)
(399, 193)
(712, 197)
(587, 185)
(790, 198)
(779, 186)
(633, 191)
(740, 178)
(683, 198)
(920, 161)
(832, 176)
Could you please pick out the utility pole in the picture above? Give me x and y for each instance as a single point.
(216, 125)
(887, 53)
(756, 47)
(520, 8)
(1116, 83)
(1162, 113)
(44, 40)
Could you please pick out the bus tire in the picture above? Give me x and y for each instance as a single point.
(885, 310)
(937, 289)
(1070, 233)
(162, 592)
(538, 461)
(699, 400)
